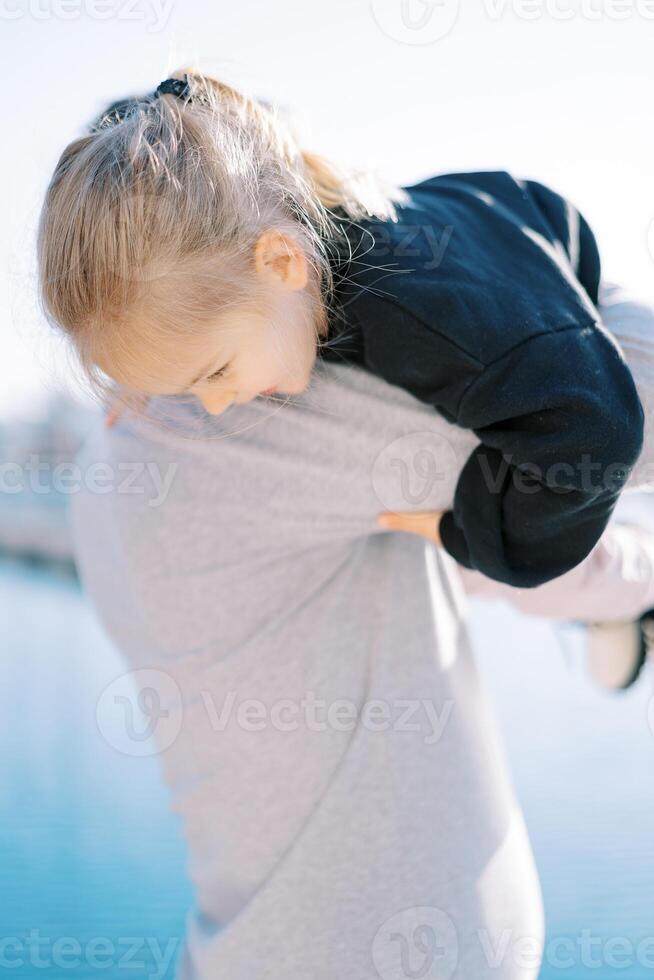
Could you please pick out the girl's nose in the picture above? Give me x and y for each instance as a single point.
(215, 404)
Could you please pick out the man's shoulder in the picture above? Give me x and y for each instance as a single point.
(125, 478)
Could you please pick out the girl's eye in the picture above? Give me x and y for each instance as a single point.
(217, 374)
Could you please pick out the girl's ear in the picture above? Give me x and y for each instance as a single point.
(280, 259)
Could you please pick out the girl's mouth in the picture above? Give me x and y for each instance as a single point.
(268, 391)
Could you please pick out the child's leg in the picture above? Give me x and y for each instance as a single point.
(614, 583)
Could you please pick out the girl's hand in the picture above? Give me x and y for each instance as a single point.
(423, 522)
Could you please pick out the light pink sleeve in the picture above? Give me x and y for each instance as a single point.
(615, 582)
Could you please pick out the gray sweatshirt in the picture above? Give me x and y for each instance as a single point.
(310, 685)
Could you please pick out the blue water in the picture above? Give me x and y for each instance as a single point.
(89, 850)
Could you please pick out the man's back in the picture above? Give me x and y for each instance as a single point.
(336, 766)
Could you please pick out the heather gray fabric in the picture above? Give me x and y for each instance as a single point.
(358, 822)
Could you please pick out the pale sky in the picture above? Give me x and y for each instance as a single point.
(556, 90)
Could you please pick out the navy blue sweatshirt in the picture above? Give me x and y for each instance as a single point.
(481, 300)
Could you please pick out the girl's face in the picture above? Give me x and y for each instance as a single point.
(252, 355)
(248, 353)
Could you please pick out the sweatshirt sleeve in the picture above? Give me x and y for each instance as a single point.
(568, 226)
(560, 426)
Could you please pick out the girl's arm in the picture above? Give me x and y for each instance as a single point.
(616, 581)
(560, 425)
(501, 334)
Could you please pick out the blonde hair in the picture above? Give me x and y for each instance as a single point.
(152, 217)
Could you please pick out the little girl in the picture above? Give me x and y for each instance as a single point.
(187, 245)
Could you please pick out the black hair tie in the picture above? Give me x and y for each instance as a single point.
(119, 110)
(178, 87)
